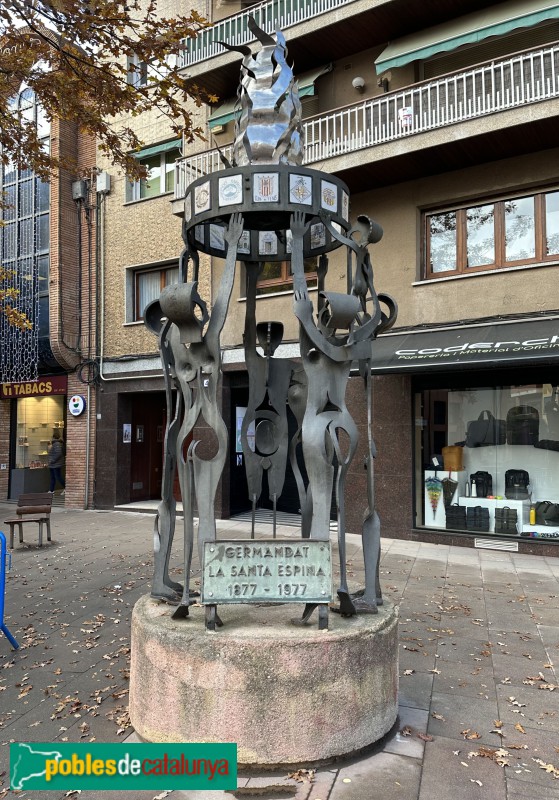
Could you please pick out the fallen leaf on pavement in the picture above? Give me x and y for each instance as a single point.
(547, 767)
(303, 775)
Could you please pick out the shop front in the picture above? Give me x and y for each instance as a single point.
(37, 414)
(485, 408)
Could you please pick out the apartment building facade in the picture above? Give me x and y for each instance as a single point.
(440, 118)
(47, 239)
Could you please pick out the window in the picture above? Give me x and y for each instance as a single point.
(492, 235)
(142, 74)
(160, 177)
(137, 71)
(276, 276)
(148, 285)
(25, 220)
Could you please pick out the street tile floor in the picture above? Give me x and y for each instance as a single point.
(479, 649)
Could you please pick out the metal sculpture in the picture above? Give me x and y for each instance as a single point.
(266, 207)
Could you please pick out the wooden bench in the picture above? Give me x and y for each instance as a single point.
(31, 508)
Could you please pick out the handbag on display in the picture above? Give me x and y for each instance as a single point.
(456, 518)
(484, 483)
(453, 458)
(477, 519)
(523, 425)
(547, 513)
(485, 431)
(516, 484)
(546, 444)
(506, 520)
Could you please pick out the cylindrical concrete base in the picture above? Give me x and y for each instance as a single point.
(284, 694)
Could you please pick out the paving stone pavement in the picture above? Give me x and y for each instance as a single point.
(479, 649)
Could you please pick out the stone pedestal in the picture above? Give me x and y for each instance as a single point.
(284, 694)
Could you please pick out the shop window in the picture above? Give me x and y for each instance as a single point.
(492, 235)
(148, 285)
(276, 276)
(487, 460)
(160, 178)
(37, 419)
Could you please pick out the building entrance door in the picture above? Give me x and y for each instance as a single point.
(148, 427)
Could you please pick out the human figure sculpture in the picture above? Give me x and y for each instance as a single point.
(192, 357)
(360, 283)
(163, 588)
(327, 357)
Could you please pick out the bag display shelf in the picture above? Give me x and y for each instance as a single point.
(522, 508)
(542, 532)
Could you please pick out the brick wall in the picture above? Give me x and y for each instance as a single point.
(73, 297)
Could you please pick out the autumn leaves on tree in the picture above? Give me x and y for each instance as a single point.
(98, 63)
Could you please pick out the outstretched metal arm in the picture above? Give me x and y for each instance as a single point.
(302, 304)
(207, 472)
(223, 297)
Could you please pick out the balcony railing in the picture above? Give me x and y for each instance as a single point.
(234, 29)
(526, 78)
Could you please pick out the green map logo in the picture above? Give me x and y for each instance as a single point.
(134, 766)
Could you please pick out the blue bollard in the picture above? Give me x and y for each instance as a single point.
(5, 559)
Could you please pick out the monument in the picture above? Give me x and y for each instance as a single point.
(251, 670)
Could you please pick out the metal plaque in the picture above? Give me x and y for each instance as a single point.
(269, 570)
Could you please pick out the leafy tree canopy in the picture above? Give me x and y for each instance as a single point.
(76, 56)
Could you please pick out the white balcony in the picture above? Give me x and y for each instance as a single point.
(234, 29)
(524, 79)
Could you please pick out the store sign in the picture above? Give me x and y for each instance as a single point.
(456, 347)
(76, 405)
(56, 384)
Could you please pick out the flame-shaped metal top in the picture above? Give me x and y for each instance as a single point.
(269, 130)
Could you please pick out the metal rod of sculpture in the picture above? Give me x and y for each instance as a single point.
(269, 380)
